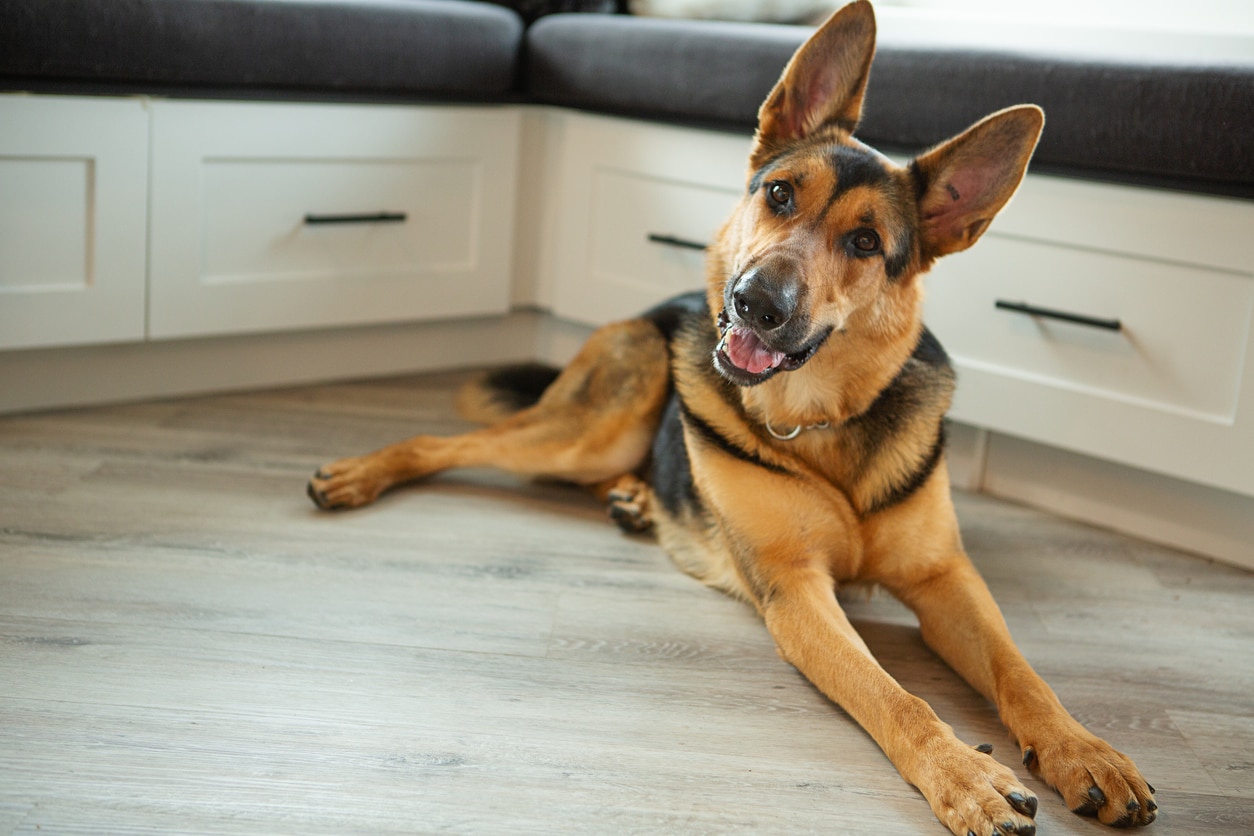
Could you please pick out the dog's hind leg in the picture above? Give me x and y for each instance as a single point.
(593, 423)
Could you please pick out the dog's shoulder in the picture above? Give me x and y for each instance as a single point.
(899, 441)
(688, 312)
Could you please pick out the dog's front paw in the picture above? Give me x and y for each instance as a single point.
(1093, 778)
(974, 795)
(347, 483)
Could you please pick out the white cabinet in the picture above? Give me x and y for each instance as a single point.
(278, 216)
(73, 195)
(247, 217)
(635, 203)
(1172, 389)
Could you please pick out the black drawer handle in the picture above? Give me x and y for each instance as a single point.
(1049, 313)
(672, 241)
(372, 218)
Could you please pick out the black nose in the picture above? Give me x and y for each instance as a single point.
(763, 301)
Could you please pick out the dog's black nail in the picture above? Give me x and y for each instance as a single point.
(1029, 757)
(970, 833)
(1151, 788)
(1024, 804)
(1096, 798)
(1129, 818)
(1151, 806)
(986, 748)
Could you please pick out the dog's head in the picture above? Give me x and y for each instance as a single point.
(830, 235)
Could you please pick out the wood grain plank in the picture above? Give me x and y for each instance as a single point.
(187, 646)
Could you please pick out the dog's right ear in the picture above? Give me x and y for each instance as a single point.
(822, 85)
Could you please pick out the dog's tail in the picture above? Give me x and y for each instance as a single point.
(498, 394)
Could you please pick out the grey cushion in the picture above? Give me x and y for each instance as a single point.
(1163, 124)
(410, 48)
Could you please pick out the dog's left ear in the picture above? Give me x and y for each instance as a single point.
(823, 83)
(965, 182)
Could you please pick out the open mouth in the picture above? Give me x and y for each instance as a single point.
(745, 359)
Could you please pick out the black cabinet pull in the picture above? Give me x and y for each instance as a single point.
(1049, 313)
(371, 218)
(672, 241)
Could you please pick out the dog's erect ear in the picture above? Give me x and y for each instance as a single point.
(822, 84)
(966, 181)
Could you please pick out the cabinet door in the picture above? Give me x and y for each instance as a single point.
(278, 216)
(1089, 318)
(636, 204)
(73, 201)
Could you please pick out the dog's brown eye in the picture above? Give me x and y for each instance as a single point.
(866, 241)
(778, 194)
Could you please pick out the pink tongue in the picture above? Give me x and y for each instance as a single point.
(748, 353)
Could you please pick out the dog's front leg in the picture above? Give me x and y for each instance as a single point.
(789, 537)
(970, 792)
(961, 622)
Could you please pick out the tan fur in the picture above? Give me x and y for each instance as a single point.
(475, 402)
(860, 495)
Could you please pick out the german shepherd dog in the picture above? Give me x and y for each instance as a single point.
(782, 433)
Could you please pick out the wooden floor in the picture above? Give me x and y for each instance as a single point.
(187, 646)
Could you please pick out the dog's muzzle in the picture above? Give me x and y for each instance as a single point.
(761, 328)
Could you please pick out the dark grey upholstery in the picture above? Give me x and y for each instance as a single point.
(697, 71)
(1187, 127)
(1184, 127)
(409, 48)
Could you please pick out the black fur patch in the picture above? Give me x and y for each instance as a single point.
(903, 491)
(716, 439)
(517, 387)
(930, 351)
(674, 313)
(920, 180)
(671, 471)
(855, 167)
(896, 262)
(923, 384)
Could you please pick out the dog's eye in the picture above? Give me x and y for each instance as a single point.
(865, 241)
(778, 194)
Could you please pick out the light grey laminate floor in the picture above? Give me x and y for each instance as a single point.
(188, 646)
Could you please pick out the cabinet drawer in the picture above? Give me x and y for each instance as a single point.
(635, 204)
(277, 216)
(648, 233)
(73, 190)
(275, 220)
(1183, 329)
